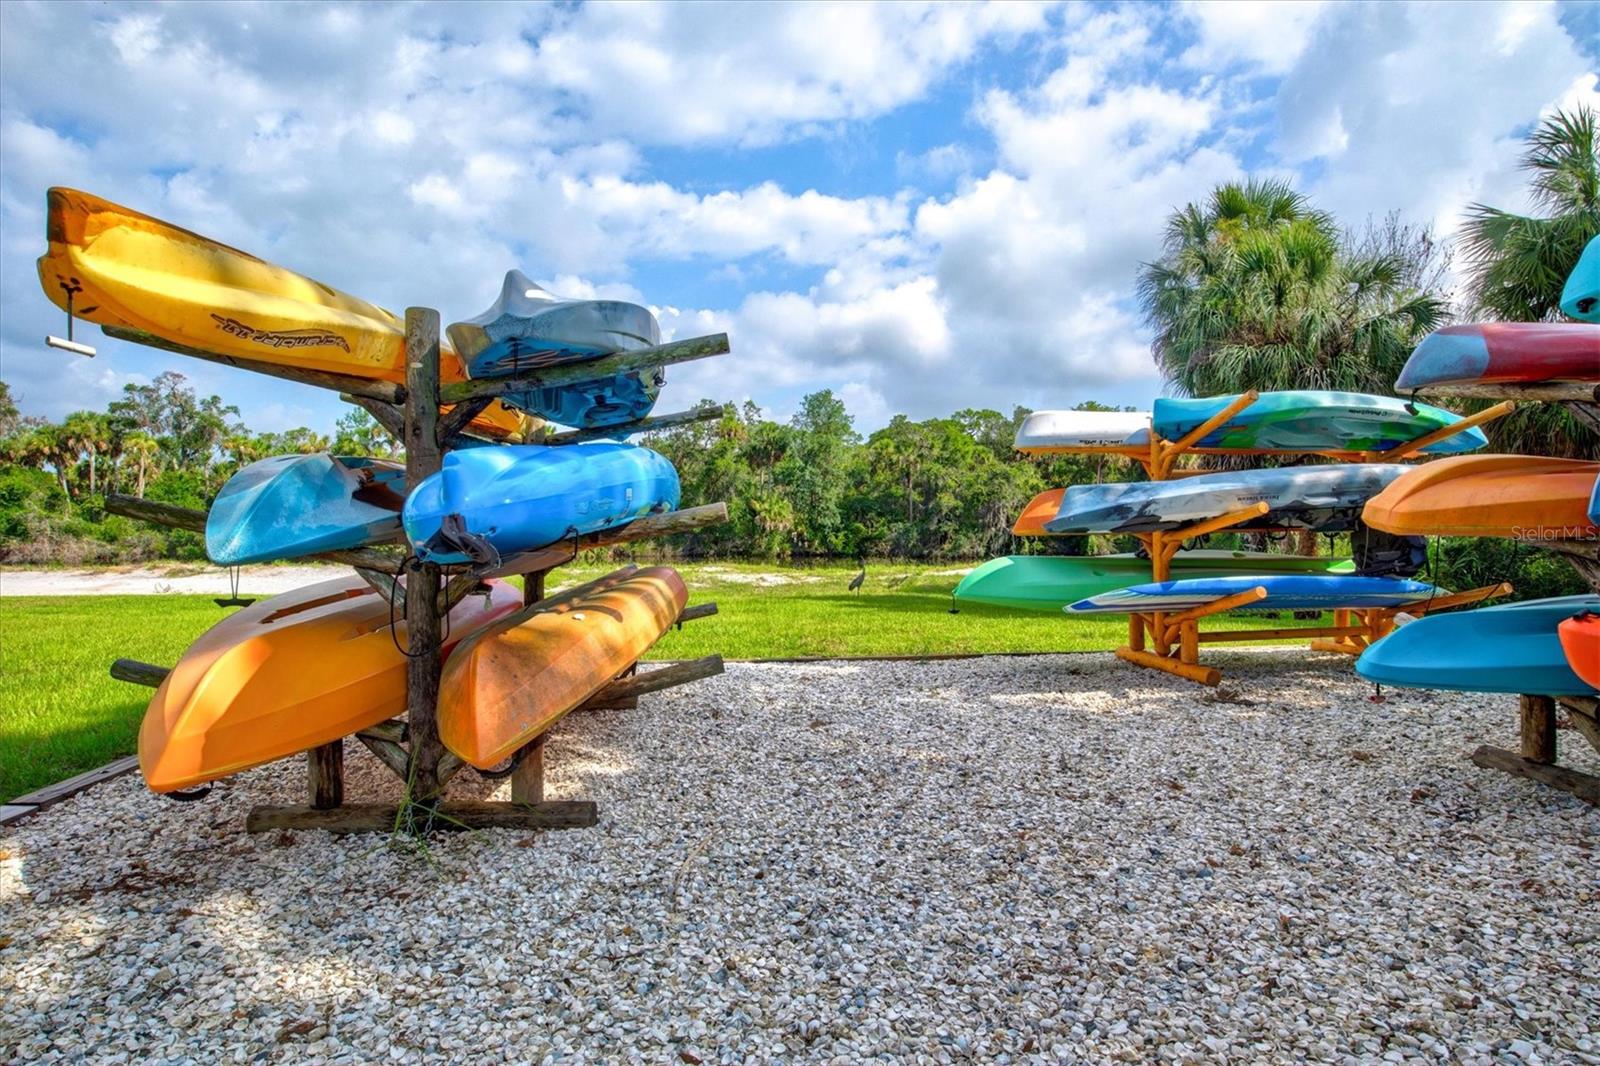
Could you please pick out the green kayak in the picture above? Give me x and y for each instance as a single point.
(1050, 582)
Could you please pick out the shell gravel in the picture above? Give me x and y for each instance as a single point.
(1051, 859)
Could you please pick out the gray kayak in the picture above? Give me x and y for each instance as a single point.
(1326, 499)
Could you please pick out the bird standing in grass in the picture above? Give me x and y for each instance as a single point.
(859, 580)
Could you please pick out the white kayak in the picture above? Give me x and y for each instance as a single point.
(1051, 430)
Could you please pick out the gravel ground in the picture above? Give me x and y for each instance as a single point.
(1051, 859)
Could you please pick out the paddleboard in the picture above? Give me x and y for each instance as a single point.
(1322, 498)
(288, 674)
(1313, 421)
(1298, 592)
(1503, 352)
(1523, 496)
(289, 506)
(1047, 431)
(523, 497)
(1580, 297)
(1513, 647)
(515, 679)
(1051, 582)
(1580, 643)
(133, 271)
(527, 328)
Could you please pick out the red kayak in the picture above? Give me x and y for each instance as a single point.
(1520, 352)
(1580, 639)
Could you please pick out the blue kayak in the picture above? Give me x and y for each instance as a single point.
(527, 328)
(1580, 297)
(1314, 421)
(1296, 592)
(290, 506)
(1510, 648)
(522, 497)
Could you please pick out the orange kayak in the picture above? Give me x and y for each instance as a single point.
(1580, 640)
(1040, 510)
(1523, 496)
(129, 270)
(286, 675)
(517, 678)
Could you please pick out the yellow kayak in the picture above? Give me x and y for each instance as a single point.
(136, 272)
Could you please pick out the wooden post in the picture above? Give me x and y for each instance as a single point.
(533, 587)
(527, 780)
(1538, 728)
(423, 458)
(325, 776)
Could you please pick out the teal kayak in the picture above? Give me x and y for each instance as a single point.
(1580, 297)
(1051, 582)
(1511, 648)
(1315, 421)
(291, 506)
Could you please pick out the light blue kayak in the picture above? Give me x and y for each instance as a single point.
(1298, 592)
(522, 497)
(1580, 297)
(291, 506)
(527, 328)
(1314, 421)
(1325, 498)
(1510, 648)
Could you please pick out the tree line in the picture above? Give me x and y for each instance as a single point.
(1255, 287)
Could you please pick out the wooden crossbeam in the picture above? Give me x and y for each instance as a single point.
(459, 814)
(1472, 421)
(639, 684)
(137, 673)
(368, 388)
(1542, 391)
(590, 370)
(703, 413)
(1585, 786)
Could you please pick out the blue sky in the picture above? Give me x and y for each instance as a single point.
(922, 207)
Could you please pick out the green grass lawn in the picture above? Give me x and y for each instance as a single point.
(61, 714)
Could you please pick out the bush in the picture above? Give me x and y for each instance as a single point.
(1462, 563)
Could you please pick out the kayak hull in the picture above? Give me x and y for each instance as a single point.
(1580, 644)
(1046, 431)
(1580, 297)
(285, 675)
(1321, 498)
(137, 272)
(1052, 582)
(1513, 648)
(291, 506)
(512, 681)
(1503, 352)
(524, 497)
(1284, 592)
(1523, 496)
(1313, 421)
(527, 328)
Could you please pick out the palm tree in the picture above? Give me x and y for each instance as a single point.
(1517, 264)
(146, 455)
(1259, 290)
(90, 433)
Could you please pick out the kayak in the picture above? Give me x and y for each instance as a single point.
(1514, 647)
(1580, 643)
(1322, 498)
(527, 328)
(1047, 431)
(1522, 496)
(1505, 352)
(138, 272)
(1040, 509)
(1298, 592)
(294, 505)
(1580, 297)
(285, 675)
(513, 680)
(1051, 582)
(519, 498)
(1313, 421)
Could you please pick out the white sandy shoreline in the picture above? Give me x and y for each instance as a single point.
(196, 579)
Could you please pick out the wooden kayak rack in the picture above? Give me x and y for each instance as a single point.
(410, 746)
(1170, 640)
